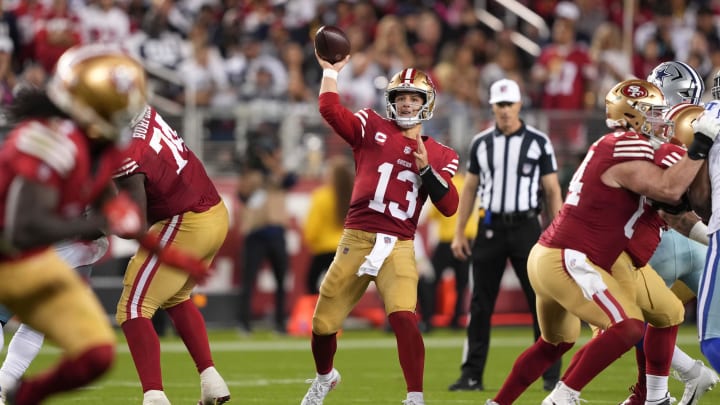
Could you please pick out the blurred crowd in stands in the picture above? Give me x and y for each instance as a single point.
(227, 52)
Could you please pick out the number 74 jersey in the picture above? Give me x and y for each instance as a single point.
(597, 219)
(175, 179)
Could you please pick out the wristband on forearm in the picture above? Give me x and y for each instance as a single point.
(330, 73)
(699, 147)
(698, 233)
(435, 185)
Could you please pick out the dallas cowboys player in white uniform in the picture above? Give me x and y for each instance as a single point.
(708, 300)
(678, 257)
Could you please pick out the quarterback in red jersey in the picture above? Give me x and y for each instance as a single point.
(182, 205)
(57, 161)
(570, 266)
(397, 169)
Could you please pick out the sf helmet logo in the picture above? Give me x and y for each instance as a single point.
(634, 91)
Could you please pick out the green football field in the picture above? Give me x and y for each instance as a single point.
(268, 369)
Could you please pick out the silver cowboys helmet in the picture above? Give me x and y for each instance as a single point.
(679, 82)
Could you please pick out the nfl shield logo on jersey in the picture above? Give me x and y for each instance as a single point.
(407, 150)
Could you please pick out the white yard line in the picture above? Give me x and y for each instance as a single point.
(347, 343)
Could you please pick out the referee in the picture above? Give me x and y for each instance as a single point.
(509, 165)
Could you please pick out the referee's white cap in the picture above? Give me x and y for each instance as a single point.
(504, 90)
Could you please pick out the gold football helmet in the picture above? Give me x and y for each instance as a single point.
(679, 119)
(102, 88)
(410, 80)
(637, 105)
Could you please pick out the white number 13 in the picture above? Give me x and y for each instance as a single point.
(411, 196)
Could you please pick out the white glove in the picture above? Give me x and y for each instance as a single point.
(708, 123)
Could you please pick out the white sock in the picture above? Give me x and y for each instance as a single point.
(22, 350)
(683, 364)
(562, 387)
(325, 377)
(657, 387)
(416, 396)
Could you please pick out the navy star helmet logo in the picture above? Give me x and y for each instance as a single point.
(661, 74)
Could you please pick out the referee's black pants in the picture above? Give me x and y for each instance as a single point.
(495, 243)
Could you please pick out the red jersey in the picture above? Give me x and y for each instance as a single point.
(596, 219)
(50, 23)
(566, 91)
(175, 179)
(55, 153)
(388, 193)
(649, 227)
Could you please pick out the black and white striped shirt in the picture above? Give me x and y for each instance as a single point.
(509, 168)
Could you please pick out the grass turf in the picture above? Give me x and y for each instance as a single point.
(268, 369)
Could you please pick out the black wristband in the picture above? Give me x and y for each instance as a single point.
(435, 185)
(682, 206)
(699, 147)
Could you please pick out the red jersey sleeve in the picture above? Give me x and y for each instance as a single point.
(351, 127)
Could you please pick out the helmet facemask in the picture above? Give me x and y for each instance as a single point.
(655, 124)
(716, 86)
(424, 113)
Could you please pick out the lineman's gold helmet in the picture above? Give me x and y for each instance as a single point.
(102, 88)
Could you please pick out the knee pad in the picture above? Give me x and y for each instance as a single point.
(322, 325)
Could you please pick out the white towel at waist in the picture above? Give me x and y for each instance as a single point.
(373, 262)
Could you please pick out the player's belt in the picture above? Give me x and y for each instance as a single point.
(514, 217)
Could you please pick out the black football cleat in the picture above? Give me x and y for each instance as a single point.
(467, 384)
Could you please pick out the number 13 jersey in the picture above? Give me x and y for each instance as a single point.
(388, 194)
(170, 169)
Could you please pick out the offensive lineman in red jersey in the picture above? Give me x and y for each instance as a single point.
(181, 203)
(52, 167)
(570, 266)
(397, 169)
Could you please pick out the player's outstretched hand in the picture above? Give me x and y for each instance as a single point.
(337, 66)
(123, 216)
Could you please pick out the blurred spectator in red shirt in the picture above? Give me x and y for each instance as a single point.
(565, 74)
(59, 29)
